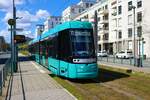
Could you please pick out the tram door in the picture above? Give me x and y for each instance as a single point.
(46, 55)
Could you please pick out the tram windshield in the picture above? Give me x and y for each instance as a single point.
(82, 43)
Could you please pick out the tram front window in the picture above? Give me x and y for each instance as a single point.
(82, 43)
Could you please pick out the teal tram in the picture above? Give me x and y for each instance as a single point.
(67, 50)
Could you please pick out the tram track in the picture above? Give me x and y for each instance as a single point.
(98, 83)
(86, 93)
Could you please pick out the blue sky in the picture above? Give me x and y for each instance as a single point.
(32, 12)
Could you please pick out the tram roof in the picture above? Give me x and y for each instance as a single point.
(66, 25)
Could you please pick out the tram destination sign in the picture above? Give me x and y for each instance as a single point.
(20, 38)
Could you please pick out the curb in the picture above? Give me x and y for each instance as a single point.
(128, 70)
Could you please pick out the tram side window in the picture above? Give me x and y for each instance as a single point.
(43, 48)
(64, 45)
(54, 41)
(52, 47)
(37, 48)
(49, 45)
(34, 49)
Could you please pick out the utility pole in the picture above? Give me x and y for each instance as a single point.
(133, 7)
(95, 32)
(14, 44)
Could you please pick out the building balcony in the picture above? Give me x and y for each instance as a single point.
(104, 21)
(114, 13)
(103, 41)
(103, 30)
(104, 12)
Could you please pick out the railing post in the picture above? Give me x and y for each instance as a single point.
(107, 59)
(121, 60)
(1, 83)
(113, 59)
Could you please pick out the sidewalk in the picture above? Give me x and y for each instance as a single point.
(127, 67)
(32, 82)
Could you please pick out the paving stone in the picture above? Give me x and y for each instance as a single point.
(31, 84)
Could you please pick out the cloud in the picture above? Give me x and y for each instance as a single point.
(42, 14)
(27, 18)
(26, 22)
(6, 5)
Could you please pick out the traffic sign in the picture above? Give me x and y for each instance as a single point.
(19, 38)
(11, 22)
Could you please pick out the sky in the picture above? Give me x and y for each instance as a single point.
(31, 12)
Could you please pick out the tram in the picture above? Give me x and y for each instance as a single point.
(67, 50)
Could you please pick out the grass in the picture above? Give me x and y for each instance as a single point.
(110, 83)
(69, 87)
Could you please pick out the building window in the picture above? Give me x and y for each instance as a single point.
(120, 34)
(139, 4)
(119, 22)
(87, 5)
(91, 4)
(103, 8)
(72, 10)
(129, 32)
(130, 19)
(139, 16)
(99, 9)
(139, 31)
(99, 38)
(105, 36)
(98, 18)
(105, 17)
(79, 10)
(119, 9)
(106, 7)
(129, 5)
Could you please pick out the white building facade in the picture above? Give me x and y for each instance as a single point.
(116, 25)
(51, 22)
(103, 23)
(70, 12)
(122, 26)
(39, 29)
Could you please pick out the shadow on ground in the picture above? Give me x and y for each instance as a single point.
(25, 58)
(104, 75)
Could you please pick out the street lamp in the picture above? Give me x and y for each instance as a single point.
(133, 7)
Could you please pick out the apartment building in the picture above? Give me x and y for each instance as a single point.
(122, 26)
(103, 22)
(70, 12)
(116, 25)
(51, 22)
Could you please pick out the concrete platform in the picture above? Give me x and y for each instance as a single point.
(32, 82)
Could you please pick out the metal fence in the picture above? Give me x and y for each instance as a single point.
(129, 61)
(5, 70)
